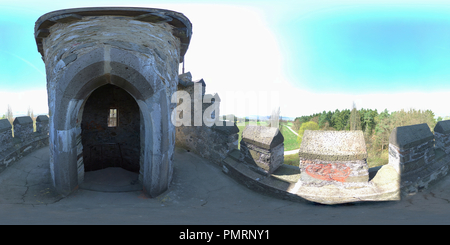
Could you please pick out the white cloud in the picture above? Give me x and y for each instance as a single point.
(20, 101)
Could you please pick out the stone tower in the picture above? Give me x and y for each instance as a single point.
(110, 76)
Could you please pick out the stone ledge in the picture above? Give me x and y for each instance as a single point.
(409, 136)
(442, 127)
(13, 154)
(333, 145)
(227, 130)
(264, 137)
(257, 182)
(381, 189)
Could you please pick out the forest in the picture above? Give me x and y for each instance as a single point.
(376, 126)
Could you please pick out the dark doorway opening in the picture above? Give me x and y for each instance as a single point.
(110, 130)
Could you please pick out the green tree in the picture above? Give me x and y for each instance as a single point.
(340, 119)
(322, 119)
(368, 121)
(311, 125)
(382, 129)
(411, 117)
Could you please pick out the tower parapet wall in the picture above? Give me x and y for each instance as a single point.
(212, 142)
(25, 140)
(420, 157)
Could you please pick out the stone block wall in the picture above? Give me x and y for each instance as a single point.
(23, 128)
(333, 157)
(420, 157)
(262, 148)
(6, 139)
(110, 146)
(411, 148)
(212, 142)
(42, 124)
(442, 135)
(24, 140)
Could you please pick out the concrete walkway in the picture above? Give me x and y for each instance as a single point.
(293, 151)
(200, 194)
(291, 130)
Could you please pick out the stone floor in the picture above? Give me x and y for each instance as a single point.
(200, 194)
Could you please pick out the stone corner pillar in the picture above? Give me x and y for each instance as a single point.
(411, 148)
(262, 148)
(442, 135)
(42, 124)
(6, 139)
(23, 128)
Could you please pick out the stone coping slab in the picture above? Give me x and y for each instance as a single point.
(261, 136)
(333, 145)
(42, 118)
(23, 120)
(409, 136)
(5, 125)
(442, 127)
(224, 129)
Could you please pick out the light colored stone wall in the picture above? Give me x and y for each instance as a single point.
(333, 157)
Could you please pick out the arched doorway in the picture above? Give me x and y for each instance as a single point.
(110, 130)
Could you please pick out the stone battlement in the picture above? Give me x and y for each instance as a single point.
(24, 140)
(211, 142)
(113, 94)
(420, 157)
(333, 167)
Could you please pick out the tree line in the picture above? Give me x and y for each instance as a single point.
(376, 126)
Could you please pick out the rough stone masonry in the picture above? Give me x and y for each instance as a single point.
(333, 157)
(137, 50)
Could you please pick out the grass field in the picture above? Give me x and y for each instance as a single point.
(290, 139)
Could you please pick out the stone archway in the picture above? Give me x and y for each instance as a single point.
(138, 50)
(110, 130)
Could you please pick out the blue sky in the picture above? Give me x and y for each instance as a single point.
(305, 56)
(368, 48)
